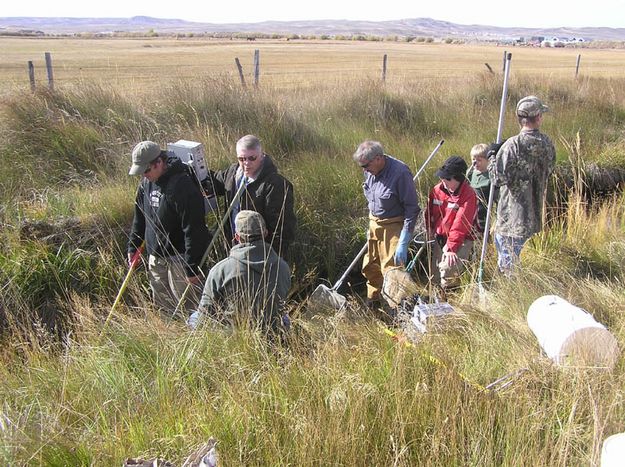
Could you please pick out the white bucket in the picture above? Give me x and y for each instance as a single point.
(570, 335)
(613, 451)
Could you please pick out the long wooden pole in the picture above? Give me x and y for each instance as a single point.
(49, 68)
(133, 264)
(31, 75)
(240, 68)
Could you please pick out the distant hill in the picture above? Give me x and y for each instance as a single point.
(406, 27)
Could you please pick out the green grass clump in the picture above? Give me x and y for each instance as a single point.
(147, 388)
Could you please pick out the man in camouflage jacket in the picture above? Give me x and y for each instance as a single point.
(521, 169)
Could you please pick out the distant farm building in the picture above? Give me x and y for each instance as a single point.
(561, 41)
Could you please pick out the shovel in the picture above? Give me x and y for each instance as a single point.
(329, 297)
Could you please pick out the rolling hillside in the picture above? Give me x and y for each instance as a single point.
(404, 27)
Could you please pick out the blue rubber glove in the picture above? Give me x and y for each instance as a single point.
(401, 253)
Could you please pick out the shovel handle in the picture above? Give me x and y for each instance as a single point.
(133, 262)
(412, 262)
(427, 161)
(350, 267)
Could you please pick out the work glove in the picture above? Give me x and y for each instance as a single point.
(401, 253)
(195, 319)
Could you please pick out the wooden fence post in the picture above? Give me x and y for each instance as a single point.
(240, 68)
(579, 58)
(49, 68)
(384, 68)
(505, 54)
(31, 74)
(256, 67)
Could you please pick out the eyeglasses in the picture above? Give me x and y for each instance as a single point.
(247, 158)
(364, 166)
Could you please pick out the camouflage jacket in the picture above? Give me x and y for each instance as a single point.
(521, 169)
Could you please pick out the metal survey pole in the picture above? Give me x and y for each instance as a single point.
(491, 193)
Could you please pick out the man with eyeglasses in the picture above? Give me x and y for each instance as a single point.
(450, 216)
(392, 200)
(169, 218)
(266, 192)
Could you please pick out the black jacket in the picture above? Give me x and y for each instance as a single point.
(169, 215)
(271, 195)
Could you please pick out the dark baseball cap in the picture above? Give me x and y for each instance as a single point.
(454, 167)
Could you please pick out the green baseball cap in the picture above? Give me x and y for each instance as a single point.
(142, 155)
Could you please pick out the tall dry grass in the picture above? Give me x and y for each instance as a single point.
(342, 392)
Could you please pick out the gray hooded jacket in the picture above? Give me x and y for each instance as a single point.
(251, 284)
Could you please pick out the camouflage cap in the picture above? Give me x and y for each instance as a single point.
(249, 225)
(530, 106)
(143, 153)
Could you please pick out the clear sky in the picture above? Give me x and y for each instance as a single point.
(545, 13)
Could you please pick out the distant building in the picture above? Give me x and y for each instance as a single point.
(560, 41)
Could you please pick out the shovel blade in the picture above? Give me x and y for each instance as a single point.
(324, 296)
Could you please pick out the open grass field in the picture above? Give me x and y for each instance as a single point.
(136, 65)
(343, 392)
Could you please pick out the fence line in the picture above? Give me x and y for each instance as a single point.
(272, 72)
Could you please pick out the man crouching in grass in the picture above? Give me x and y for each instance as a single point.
(250, 285)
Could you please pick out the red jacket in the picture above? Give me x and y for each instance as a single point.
(451, 215)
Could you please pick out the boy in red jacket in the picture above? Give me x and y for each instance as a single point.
(450, 214)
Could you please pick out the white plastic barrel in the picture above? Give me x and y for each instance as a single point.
(570, 335)
(613, 451)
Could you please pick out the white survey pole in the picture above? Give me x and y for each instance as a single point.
(491, 193)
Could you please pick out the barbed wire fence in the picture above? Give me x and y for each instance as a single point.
(281, 73)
